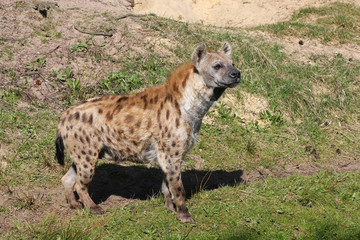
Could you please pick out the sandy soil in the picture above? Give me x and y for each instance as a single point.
(235, 13)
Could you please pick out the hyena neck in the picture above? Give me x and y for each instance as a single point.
(195, 97)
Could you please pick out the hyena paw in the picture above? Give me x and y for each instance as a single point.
(75, 205)
(96, 210)
(185, 217)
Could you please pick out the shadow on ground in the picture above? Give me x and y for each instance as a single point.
(137, 182)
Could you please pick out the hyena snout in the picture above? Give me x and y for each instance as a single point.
(235, 74)
(233, 77)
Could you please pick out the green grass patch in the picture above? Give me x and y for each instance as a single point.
(338, 22)
(324, 206)
(29, 139)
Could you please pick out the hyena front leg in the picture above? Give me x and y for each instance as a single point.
(169, 204)
(171, 168)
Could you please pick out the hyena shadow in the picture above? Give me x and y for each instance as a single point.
(137, 182)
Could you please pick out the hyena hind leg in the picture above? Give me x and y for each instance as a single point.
(84, 175)
(68, 180)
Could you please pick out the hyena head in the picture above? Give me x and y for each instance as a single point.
(216, 68)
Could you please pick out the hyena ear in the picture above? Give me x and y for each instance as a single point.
(226, 48)
(199, 54)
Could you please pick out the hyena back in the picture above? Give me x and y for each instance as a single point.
(158, 124)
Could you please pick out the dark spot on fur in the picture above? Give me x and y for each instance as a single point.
(79, 157)
(149, 124)
(124, 98)
(70, 117)
(177, 122)
(185, 80)
(156, 99)
(75, 135)
(131, 130)
(177, 108)
(169, 97)
(100, 111)
(109, 116)
(175, 88)
(118, 108)
(173, 144)
(166, 129)
(161, 105)
(108, 139)
(176, 153)
(158, 114)
(177, 195)
(167, 114)
(91, 170)
(85, 166)
(83, 117)
(171, 179)
(138, 124)
(102, 129)
(77, 115)
(83, 152)
(129, 118)
(179, 189)
(169, 135)
(87, 159)
(91, 119)
(81, 139)
(90, 152)
(176, 168)
(177, 178)
(62, 121)
(134, 142)
(171, 173)
(87, 139)
(144, 98)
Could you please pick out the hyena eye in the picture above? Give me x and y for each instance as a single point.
(217, 66)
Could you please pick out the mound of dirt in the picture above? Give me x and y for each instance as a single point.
(233, 13)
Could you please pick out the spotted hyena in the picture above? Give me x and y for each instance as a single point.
(158, 124)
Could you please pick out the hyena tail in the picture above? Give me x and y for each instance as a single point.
(59, 143)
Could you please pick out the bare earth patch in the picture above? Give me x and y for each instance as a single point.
(235, 13)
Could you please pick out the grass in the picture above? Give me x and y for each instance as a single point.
(334, 23)
(324, 206)
(309, 107)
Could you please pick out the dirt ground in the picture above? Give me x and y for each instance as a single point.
(17, 24)
(228, 13)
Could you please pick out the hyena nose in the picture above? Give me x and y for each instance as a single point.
(234, 74)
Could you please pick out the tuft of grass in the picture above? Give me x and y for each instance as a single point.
(138, 71)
